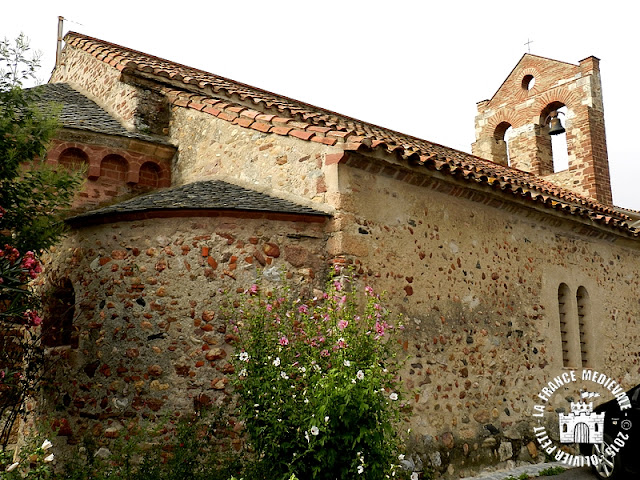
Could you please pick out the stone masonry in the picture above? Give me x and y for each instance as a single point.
(471, 252)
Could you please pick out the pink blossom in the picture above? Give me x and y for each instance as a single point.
(253, 289)
(324, 353)
(338, 286)
(32, 318)
(303, 309)
(368, 290)
(380, 327)
(269, 307)
(342, 324)
(283, 341)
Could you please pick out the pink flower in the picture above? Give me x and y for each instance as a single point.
(338, 286)
(32, 318)
(303, 309)
(368, 290)
(253, 289)
(283, 341)
(342, 324)
(269, 307)
(380, 327)
(324, 353)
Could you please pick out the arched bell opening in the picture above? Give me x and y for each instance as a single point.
(552, 141)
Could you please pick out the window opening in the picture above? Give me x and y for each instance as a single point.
(559, 148)
(582, 298)
(57, 326)
(563, 297)
(528, 82)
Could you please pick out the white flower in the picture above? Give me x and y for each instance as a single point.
(243, 372)
(360, 469)
(276, 362)
(360, 375)
(393, 396)
(306, 400)
(315, 431)
(12, 467)
(46, 445)
(401, 457)
(48, 458)
(347, 363)
(284, 375)
(326, 419)
(244, 357)
(306, 435)
(414, 476)
(302, 369)
(353, 380)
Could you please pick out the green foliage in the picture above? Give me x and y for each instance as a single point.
(187, 449)
(33, 462)
(33, 199)
(33, 194)
(319, 390)
(551, 471)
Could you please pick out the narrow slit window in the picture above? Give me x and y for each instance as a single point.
(582, 299)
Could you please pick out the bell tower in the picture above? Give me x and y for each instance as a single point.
(539, 95)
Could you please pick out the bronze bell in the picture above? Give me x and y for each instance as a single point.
(555, 126)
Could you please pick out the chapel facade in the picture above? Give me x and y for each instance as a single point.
(506, 272)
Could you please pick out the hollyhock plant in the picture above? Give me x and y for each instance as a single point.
(314, 385)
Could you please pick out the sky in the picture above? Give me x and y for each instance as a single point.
(418, 67)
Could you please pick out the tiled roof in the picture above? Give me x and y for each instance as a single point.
(264, 111)
(206, 195)
(79, 112)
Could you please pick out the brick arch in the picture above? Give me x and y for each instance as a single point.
(114, 167)
(554, 99)
(499, 118)
(151, 174)
(524, 93)
(73, 157)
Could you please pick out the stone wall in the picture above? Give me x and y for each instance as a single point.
(209, 147)
(477, 279)
(150, 338)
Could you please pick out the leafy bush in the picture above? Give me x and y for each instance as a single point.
(188, 450)
(319, 392)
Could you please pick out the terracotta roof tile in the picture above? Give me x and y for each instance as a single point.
(274, 111)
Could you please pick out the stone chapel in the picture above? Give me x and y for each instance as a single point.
(507, 270)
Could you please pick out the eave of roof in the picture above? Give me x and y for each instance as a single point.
(205, 198)
(267, 112)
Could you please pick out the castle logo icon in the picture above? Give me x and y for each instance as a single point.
(582, 425)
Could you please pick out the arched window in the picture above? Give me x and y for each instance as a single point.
(502, 136)
(150, 175)
(73, 159)
(559, 150)
(57, 325)
(114, 167)
(553, 149)
(582, 297)
(563, 310)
